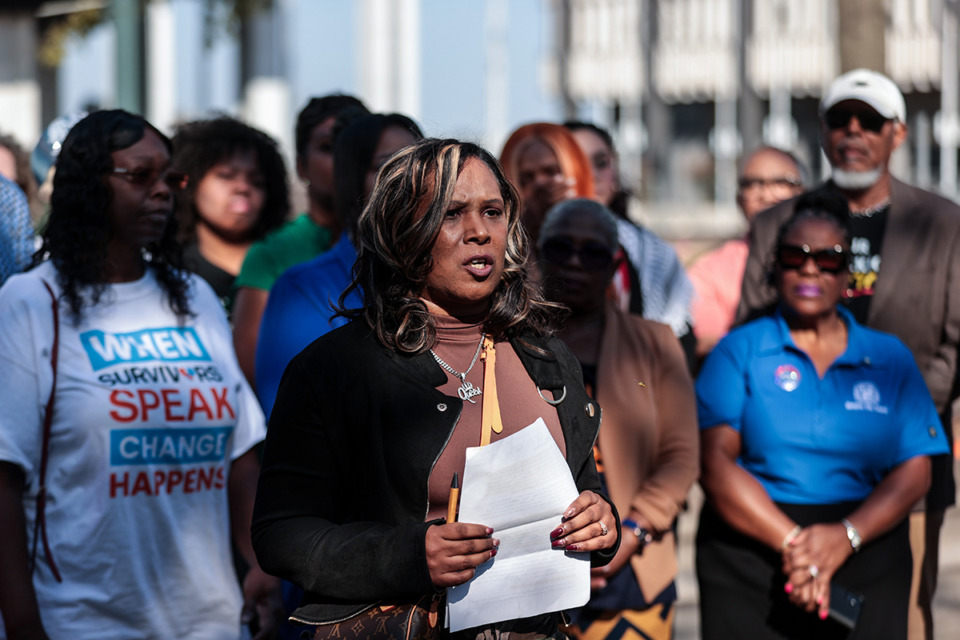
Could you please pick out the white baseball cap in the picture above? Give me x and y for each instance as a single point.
(875, 89)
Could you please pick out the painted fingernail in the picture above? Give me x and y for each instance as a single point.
(823, 614)
(788, 588)
(496, 542)
(489, 531)
(556, 533)
(572, 547)
(493, 552)
(559, 543)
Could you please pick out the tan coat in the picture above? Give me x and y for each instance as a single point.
(648, 436)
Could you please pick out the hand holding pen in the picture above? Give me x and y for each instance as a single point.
(455, 549)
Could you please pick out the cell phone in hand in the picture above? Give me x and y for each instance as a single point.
(845, 605)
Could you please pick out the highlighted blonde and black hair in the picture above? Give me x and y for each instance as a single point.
(395, 236)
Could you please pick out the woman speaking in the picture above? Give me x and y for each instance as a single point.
(369, 426)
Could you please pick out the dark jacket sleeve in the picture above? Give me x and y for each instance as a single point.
(314, 521)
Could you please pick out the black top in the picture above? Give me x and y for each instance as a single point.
(217, 278)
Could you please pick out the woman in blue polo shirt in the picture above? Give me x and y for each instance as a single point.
(815, 437)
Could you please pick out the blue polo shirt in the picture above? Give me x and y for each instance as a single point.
(300, 310)
(818, 441)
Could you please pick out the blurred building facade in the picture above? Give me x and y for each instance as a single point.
(687, 85)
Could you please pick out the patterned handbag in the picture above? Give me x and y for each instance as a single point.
(417, 621)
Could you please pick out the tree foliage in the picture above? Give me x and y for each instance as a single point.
(219, 16)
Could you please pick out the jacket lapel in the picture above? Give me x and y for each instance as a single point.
(898, 250)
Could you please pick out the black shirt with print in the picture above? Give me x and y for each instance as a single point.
(866, 238)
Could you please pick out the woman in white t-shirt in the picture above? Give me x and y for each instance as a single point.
(149, 466)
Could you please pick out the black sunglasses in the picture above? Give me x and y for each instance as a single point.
(869, 120)
(791, 256)
(176, 180)
(593, 255)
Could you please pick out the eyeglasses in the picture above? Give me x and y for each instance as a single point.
(832, 260)
(785, 183)
(869, 120)
(176, 180)
(593, 255)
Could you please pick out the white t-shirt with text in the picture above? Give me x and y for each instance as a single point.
(149, 413)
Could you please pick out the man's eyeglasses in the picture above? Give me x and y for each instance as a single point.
(176, 180)
(832, 260)
(869, 120)
(593, 255)
(785, 183)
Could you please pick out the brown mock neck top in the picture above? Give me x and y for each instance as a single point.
(520, 404)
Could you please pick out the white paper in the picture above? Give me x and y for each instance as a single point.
(520, 486)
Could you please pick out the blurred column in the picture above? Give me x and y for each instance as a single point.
(780, 132)
(266, 93)
(725, 135)
(920, 132)
(20, 98)
(949, 128)
(407, 75)
(749, 106)
(126, 16)
(635, 96)
(389, 42)
(161, 47)
(563, 52)
(657, 114)
(496, 89)
(862, 30)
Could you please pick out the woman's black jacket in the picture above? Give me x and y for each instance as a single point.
(355, 431)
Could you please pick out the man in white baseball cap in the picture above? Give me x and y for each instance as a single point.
(904, 279)
(875, 89)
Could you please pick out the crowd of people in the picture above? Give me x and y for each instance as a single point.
(222, 419)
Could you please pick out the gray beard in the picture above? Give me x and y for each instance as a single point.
(856, 180)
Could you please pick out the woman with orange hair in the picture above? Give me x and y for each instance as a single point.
(545, 164)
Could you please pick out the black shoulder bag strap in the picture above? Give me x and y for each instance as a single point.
(40, 528)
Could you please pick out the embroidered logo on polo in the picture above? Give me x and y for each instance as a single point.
(787, 377)
(866, 397)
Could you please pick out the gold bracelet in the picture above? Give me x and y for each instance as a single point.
(790, 537)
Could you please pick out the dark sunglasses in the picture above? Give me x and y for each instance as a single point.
(869, 120)
(833, 260)
(176, 180)
(593, 255)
